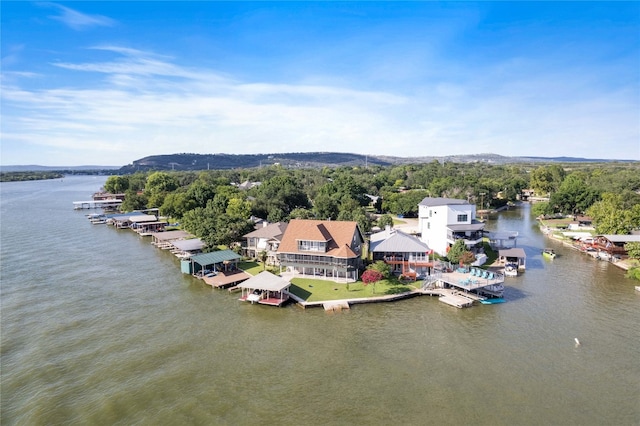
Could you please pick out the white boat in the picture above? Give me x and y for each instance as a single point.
(97, 218)
(511, 270)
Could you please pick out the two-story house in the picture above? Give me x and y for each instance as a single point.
(322, 248)
(443, 221)
(406, 254)
(266, 239)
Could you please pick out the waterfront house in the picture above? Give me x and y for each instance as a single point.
(322, 248)
(406, 254)
(267, 239)
(443, 221)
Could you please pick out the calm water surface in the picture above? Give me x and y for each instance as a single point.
(100, 327)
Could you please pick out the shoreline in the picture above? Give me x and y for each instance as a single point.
(547, 230)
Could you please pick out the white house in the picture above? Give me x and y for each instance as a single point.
(442, 221)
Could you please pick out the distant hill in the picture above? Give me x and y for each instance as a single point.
(187, 161)
(36, 168)
(316, 160)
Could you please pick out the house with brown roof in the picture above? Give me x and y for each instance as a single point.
(613, 245)
(267, 238)
(322, 248)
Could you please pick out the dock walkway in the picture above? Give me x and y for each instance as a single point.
(453, 297)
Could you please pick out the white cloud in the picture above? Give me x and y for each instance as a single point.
(145, 104)
(77, 20)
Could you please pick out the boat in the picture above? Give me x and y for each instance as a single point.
(549, 253)
(97, 218)
(492, 301)
(511, 270)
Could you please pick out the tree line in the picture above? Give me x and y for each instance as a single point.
(215, 205)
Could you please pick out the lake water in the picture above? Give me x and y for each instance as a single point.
(99, 327)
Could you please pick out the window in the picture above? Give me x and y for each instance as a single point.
(462, 217)
(312, 246)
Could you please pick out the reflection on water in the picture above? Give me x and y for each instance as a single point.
(100, 327)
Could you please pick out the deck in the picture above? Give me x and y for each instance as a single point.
(225, 279)
(271, 301)
(97, 204)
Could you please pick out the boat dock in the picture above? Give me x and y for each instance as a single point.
(222, 279)
(97, 204)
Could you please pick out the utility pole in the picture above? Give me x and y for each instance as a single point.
(482, 200)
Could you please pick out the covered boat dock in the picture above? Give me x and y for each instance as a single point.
(187, 248)
(110, 204)
(266, 289)
(514, 255)
(218, 268)
(163, 240)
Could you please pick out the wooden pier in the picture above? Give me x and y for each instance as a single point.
(97, 204)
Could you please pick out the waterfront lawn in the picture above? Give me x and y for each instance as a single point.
(251, 267)
(312, 290)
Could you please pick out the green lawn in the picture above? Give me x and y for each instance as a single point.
(317, 290)
(251, 268)
(312, 290)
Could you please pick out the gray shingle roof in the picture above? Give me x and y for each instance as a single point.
(440, 201)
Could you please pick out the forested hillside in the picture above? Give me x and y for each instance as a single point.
(187, 161)
(216, 205)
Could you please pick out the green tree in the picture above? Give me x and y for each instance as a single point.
(201, 191)
(301, 213)
(277, 197)
(325, 207)
(133, 201)
(633, 250)
(456, 252)
(574, 195)
(384, 221)
(610, 216)
(176, 204)
(546, 179)
(160, 182)
(381, 267)
(263, 258)
(541, 209)
(116, 184)
(158, 185)
(239, 208)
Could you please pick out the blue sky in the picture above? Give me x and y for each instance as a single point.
(106, 83)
